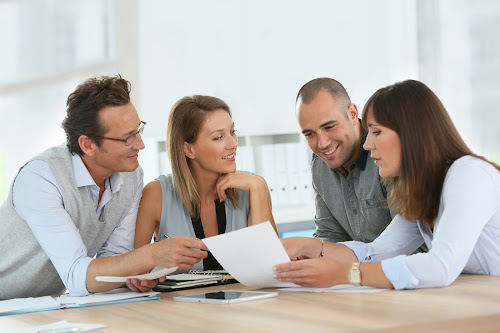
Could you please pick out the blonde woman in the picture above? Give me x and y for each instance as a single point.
(205, 195)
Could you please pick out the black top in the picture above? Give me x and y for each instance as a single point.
(210, 263)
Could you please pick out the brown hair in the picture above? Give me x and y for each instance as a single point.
(430, 143)
(184, 124)
(83, 106)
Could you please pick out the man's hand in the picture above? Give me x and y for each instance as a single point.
(141, 285)
(180, 251)
(302, 247)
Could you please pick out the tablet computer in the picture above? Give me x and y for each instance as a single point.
(225, 296)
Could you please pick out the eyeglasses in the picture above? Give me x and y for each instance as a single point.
(131, 138)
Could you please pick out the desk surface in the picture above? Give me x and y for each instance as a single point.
(472, 303)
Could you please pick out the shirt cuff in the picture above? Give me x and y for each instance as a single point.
(78, 286)
(396, 270)
(363, 251)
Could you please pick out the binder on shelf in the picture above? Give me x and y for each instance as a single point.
(281, 165)
(305, 178)
(265, 167)
(245, 159)
(293, 173)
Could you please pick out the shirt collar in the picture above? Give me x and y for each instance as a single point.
(360, 161)
(83, 178)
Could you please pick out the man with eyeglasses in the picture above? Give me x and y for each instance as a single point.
(71, 211)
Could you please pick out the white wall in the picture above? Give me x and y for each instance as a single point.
(253, 54)
(257, 54)
(47, 48)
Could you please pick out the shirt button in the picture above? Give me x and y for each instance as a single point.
(368, 258)
(354, 211)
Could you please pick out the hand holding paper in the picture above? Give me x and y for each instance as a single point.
(249, 255)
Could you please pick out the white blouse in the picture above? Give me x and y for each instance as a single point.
(466, 235)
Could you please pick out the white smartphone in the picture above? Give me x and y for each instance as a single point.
(225, 296)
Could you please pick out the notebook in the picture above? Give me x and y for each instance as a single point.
(194, 279)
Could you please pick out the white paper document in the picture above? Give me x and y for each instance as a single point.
(29, 304)
(249, 255)
(340, 288)
(156, 273)
(106, 297)
(60, 326)
(34, 304)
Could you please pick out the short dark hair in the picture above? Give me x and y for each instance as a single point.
(309, 90)
(83, 106)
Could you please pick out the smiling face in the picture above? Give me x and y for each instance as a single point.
(331, 134)
(214, 150)
(120, 122)
(385, 147)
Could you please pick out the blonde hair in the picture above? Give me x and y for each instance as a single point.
(184, 124)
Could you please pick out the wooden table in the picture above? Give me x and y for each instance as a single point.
(472, 303)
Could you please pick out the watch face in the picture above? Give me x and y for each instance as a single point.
(355, 275)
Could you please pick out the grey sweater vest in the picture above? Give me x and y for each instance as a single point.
(25, 269)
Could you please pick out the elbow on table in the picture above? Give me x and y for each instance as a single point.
(439, 276)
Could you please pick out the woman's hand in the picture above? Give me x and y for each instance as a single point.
(260, 200)
(318, 273)
(239, 180)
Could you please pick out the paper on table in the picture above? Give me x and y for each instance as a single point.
(60, 326)
(115, 295)
(340, 288)
(34, 304)
(156, 273)
(28, 304)
(249, 255)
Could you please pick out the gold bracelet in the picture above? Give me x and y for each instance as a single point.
(321, 253)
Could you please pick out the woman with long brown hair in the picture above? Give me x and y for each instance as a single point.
(444, 195)
(205, 195)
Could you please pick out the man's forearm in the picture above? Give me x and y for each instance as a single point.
(132, 263)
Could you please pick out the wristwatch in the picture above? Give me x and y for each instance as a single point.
(355, 274)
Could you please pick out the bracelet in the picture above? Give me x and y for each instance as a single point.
(321, 253)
